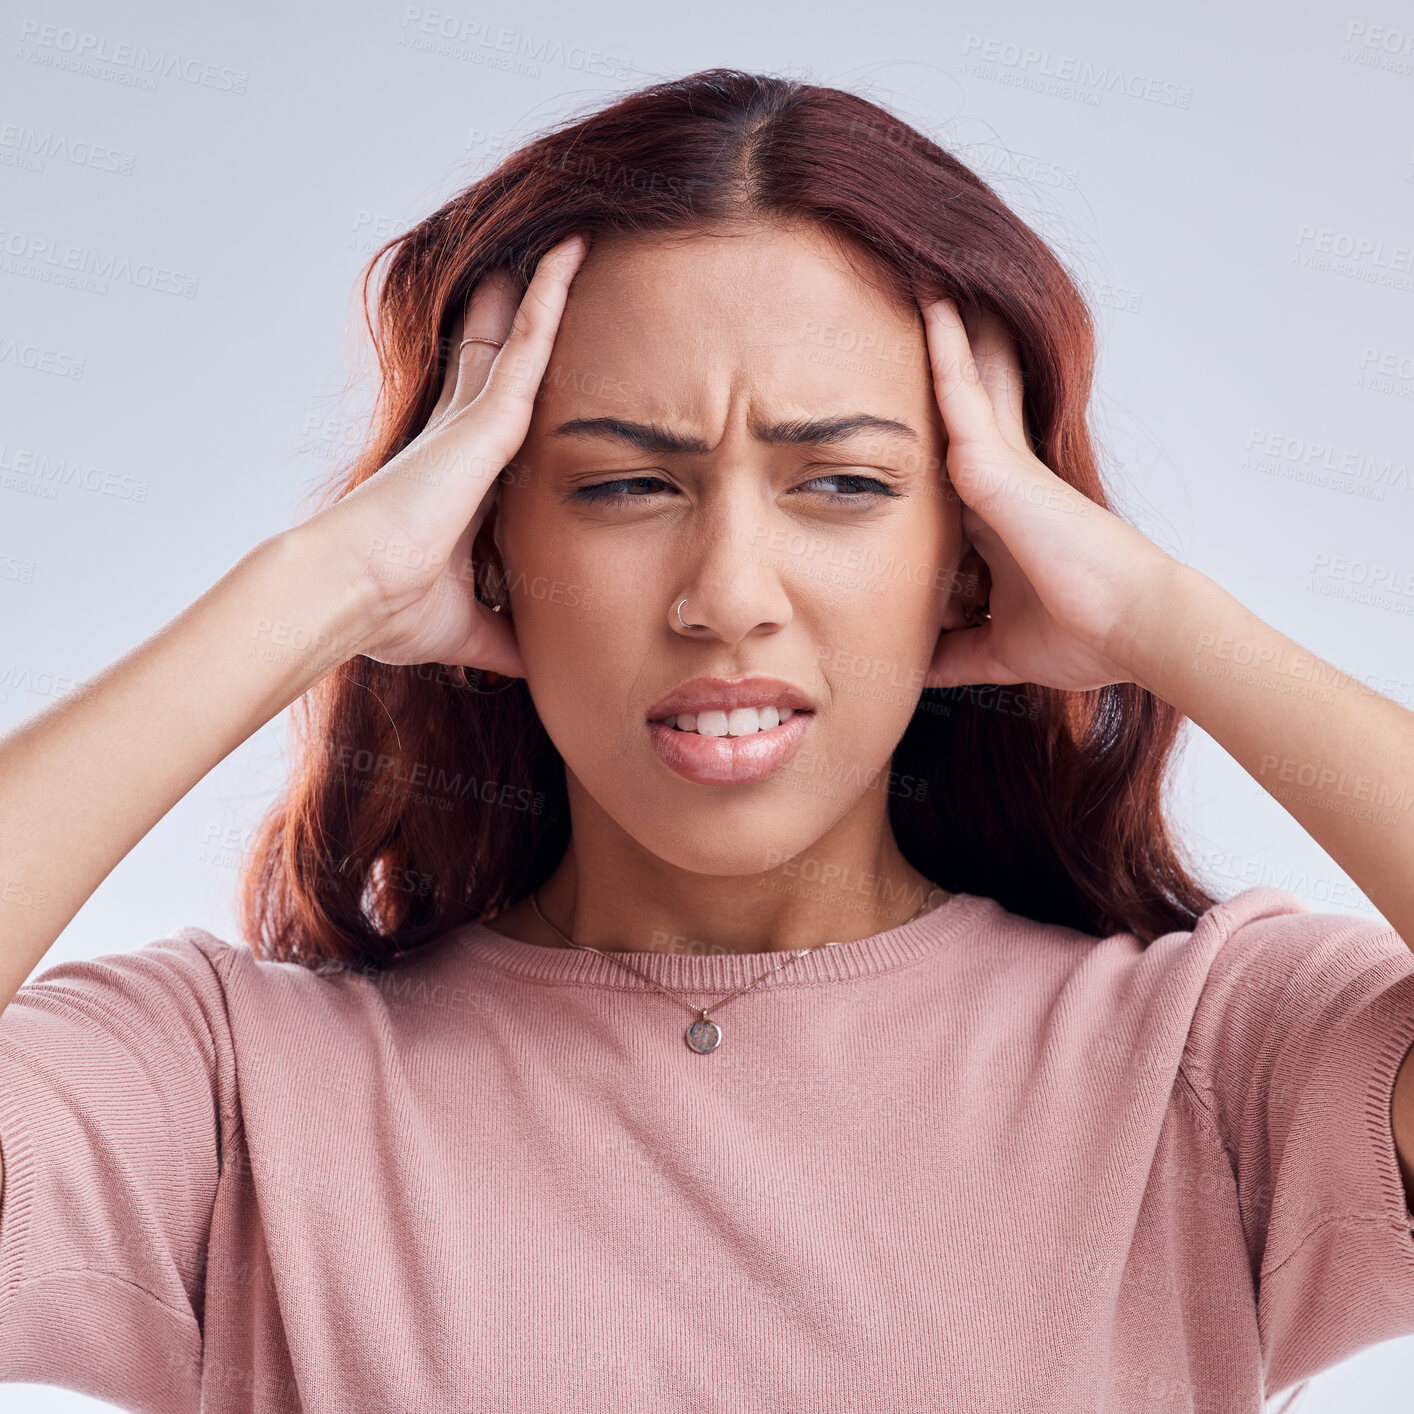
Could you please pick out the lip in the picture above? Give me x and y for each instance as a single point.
(708, 694)
(730, 760)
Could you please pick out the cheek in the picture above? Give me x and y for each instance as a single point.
(592, 587)
(874, 650)
(581, 608)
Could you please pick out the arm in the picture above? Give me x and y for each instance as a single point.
(384, 572)
(85, 779)
(1337, 755)
(1080, 598)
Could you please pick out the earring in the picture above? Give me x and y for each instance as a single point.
(487, 682)
(499, 681)
(977, 614)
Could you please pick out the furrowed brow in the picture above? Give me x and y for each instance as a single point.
(801, 432)
(646, 436)
(823, 431)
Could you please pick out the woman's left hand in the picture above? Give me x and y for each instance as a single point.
(1072, 585)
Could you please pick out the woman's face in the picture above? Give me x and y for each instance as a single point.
(768, 422)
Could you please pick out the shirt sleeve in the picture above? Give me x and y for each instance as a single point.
(1298, 1034)
(114, 1074)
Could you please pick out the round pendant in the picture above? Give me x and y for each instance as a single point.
(704, 1036)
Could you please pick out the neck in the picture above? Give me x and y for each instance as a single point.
(623, 899)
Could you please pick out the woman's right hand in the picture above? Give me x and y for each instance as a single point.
(407, 532)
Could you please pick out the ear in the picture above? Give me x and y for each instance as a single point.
(971, 584)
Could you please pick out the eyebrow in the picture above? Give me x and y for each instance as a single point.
(802, 432)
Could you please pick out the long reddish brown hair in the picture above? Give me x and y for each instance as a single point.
(417, 804)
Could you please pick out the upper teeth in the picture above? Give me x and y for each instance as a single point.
(740, 721)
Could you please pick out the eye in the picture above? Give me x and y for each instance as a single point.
(874, 485)
(603, 493)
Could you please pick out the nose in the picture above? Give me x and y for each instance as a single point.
(733, 590)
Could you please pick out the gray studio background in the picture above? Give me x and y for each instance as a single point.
(1239, 208)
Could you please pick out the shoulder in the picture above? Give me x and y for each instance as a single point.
(173, 982)
(1258, 916)
(273, 1004)
(1248, 966)
(1266, 946)
(189, 978)
(1285, 987)
(212, 967)
(1267, 949)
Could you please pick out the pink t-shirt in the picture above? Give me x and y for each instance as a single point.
(974, 1163)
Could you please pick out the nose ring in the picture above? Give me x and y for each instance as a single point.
(681, 620)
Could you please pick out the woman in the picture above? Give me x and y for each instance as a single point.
(728, 574)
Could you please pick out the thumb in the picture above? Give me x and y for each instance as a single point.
(963, 658)
(488, 642)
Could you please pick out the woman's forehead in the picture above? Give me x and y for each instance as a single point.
(683, 325)
(754, 281)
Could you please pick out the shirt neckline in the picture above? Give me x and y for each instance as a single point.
(719, 972)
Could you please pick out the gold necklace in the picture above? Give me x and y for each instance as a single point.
(704, 1035)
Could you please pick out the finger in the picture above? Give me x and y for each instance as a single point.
(995, 351)
(481, 431)
(489, 639)
(509, 395)
(964, 658)
(486, 313)
(449, 372)
(462, 562)
(963, 400)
